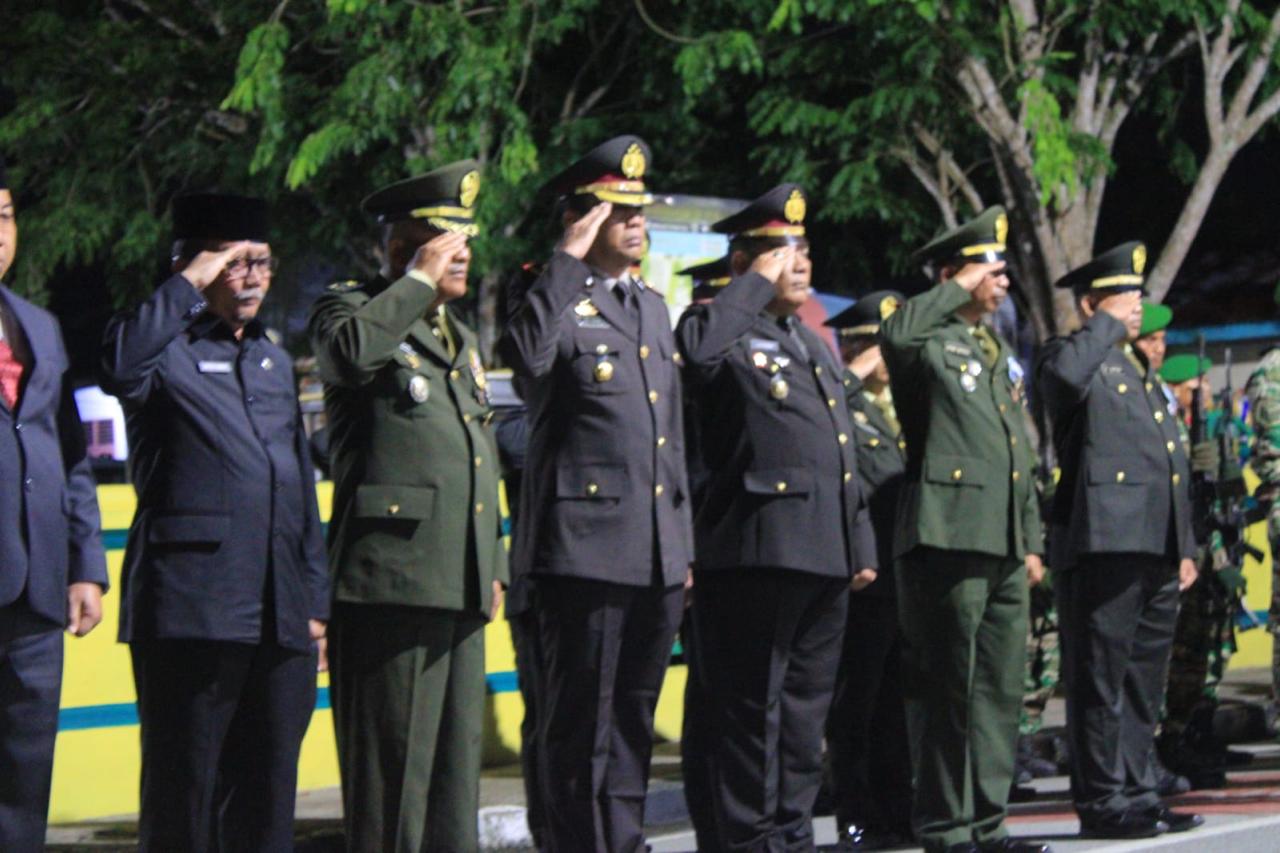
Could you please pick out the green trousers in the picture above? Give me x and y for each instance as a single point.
(964, 619)
(408, 693)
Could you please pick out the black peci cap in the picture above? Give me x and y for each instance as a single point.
(220, 216)
(612, 171)
(778, 213)
(1114, 271)
(444, 198)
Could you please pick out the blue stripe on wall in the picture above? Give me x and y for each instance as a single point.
(126, 713)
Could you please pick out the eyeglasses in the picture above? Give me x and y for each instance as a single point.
(242, 266)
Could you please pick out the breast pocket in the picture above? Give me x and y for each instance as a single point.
(598, 363)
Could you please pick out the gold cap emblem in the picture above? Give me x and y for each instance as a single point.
(469, 188)
(1002, 227)
(633, 164)
(887, 306)
(795, 207)
(1139, 259)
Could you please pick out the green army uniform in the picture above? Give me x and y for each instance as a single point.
(1263, 392)
(414, 543)
(968, 517)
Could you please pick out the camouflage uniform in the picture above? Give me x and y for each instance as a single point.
(1043, 660)
(1264, 406)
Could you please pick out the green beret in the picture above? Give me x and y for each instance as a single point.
(1154, 318)
(444, 198)
(1180, 368)
(980, 240)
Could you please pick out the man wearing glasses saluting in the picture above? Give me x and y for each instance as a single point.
(225, 588)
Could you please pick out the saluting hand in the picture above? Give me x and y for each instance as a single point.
(84, 607)
(205, 267)
(434, 256)
(971, 275)
(580, 234)
(866, 362)
(770, 264)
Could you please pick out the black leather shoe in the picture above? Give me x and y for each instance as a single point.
(856, 838)
(1014, 845)
(1176, 821)
(1124, 825)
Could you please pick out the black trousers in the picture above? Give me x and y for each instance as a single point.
(768, 648)
(695, 768)
(1116, 614)
(222, 725)
(605, 651)
(30, 683)
(528, 648)
(867, 728)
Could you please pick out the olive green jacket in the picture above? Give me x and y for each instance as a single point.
(415, 468)
(969, 483)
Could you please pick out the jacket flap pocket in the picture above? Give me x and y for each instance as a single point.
(778, 481)
(590, 481)
(956, 470)
(410, 502)
(210, 529)
(1116, 469)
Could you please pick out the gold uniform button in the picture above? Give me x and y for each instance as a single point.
(780, 486)
(592, 488)
(831, 402)
(957, 474)
(1122, 387)
(466, 419)
(847, 476)
(479, 508)
(1013, 441)
(902, 444)
(1168, 445)
(479, 461)
(658, 490)
(653, 396)
(601, 349)
(1003, 407)
(1150, 386)
(1177, 478)
(1017, 475)
(1119, 476)
(875, 442)
(818, 370)
(662, 439)
(842, 438)
(644, 351)
(1159, 417)
(394, 509)
(454, 374)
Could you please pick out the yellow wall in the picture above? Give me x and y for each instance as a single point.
(95, 770)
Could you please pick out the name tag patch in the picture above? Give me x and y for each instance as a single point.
(213, 366)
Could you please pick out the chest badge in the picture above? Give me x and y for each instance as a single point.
(419, 389)
(410, 357)
(778, 388)
(860, 417)
(968, 383)
(586, 309)
(267, 363)
(603, 371)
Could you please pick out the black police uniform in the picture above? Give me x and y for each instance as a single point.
(49, 538)
(778, 536)
(867, 727)
(1120, 522)
(604, 518)
(225, 561)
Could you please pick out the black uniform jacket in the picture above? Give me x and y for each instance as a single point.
(226, 531)
(781, 490)
(50, 530)
(605, 494)
(1125, 474)
(881, 465)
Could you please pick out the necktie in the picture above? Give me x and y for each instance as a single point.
(790, 326)
(987, 343)
(626, 295)
(1135, 361)
(884, 402)
(10, 374)
(446, 336)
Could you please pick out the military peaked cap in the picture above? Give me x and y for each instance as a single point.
(444, 198)
(220, 216)
(980, 240)
(863, 317)
(612, 171)
(708, 278)
(1114, 271)
(1180, 368)
(1154, 318)
(778, 213)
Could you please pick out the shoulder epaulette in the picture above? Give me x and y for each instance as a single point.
(344, 286)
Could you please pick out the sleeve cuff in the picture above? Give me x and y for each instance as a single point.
(419, 275)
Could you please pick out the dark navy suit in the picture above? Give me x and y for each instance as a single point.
(49, 538)
(224, 567)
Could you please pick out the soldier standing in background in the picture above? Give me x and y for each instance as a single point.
(967, 540)
(867, 726)
(604, 509)
(1263, 391)
(1122, 547)
(415, 542)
